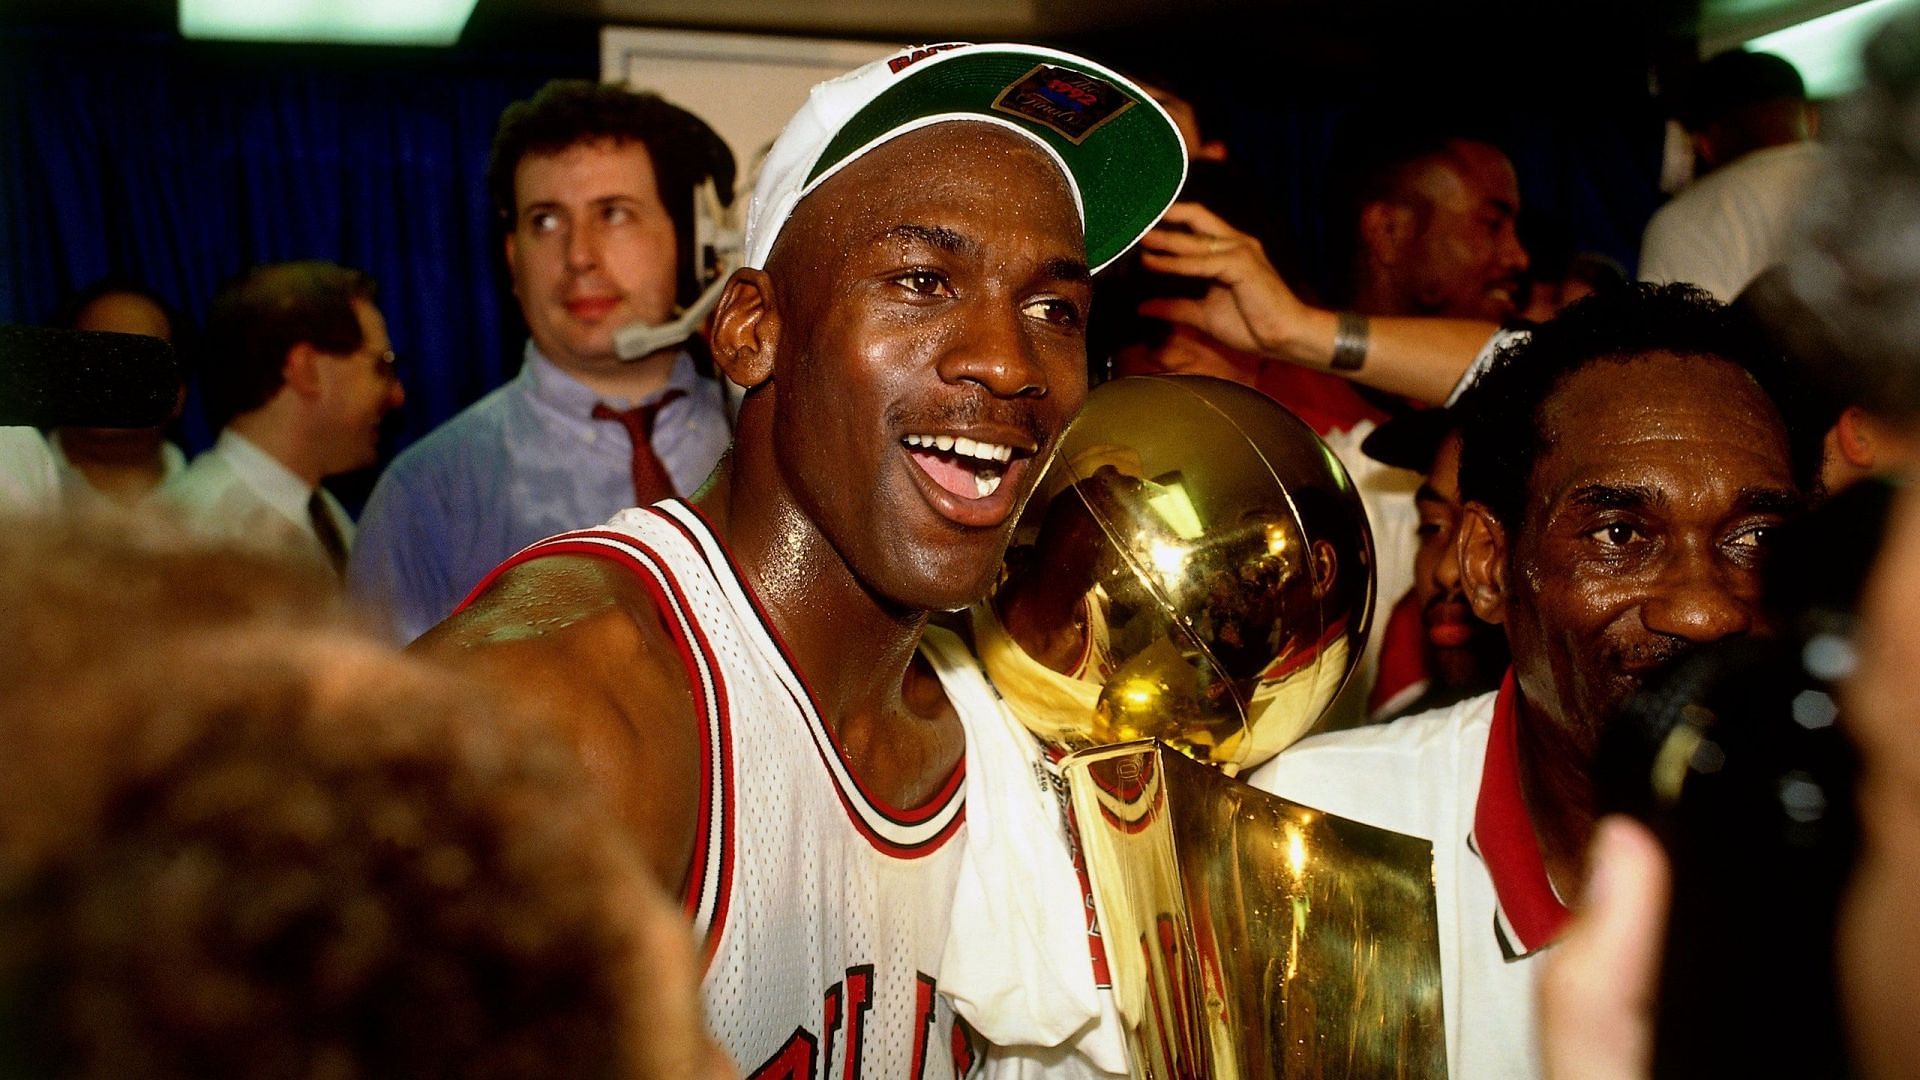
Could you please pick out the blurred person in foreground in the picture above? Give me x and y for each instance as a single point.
(238, 838)
(1856, 272)
(1622, 472)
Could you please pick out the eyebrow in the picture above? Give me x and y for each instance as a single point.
(958, 243)
(1428, 493)
(1750, 500)
(556, 204)
(1612, 497)
(936, 236)
(1073, 270)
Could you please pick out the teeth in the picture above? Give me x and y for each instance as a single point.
(985, 484)
(959, 444)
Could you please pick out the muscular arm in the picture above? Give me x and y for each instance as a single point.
(1250, 308)
(579, 641)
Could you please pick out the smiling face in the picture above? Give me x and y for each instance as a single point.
(930, 314)
(1466, 260)
(1643, 533)
(591, 250)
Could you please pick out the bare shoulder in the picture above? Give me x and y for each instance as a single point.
(580, 641)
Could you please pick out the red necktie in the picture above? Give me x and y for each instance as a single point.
(650, 480)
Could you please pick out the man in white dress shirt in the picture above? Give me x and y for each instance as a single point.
(300, 369)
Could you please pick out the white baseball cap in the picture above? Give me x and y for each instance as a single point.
(1120, 152)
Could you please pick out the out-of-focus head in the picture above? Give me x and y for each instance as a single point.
(119, 306)
(1623, 469)
(237, 838)
(308, 331)
(1432, 216)
(1859, 277)
(1738, 102)
(597, 187)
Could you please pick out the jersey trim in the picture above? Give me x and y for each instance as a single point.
(910, 833)
(709, 883)
(1528, 914)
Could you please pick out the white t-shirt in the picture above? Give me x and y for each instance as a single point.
(1734, 222)
(1444, 776)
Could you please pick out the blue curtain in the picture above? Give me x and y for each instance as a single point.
(180, 164)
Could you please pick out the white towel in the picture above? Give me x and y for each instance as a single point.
(1017, 965)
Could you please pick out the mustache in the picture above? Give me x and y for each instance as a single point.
(1650, 656)
(974, 408)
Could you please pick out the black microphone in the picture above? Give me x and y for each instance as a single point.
(85, 378)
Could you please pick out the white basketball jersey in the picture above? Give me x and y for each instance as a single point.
(824, 911)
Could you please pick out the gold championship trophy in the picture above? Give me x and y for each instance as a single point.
(1187, 591)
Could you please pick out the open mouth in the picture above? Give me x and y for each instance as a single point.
(963, 467)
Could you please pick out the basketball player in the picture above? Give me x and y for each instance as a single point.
(750, 675)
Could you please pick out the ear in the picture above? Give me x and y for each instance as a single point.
(746, 328)
(301, 371)
(507, 252)
(1326, 568)
(1852, 438)
(1385, 229)
(1482, 550)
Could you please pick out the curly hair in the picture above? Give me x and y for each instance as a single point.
(239, 840)
(567, 112)
(1501, 436)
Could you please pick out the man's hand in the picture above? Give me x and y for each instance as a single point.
(1596, 991)
(1248, 306)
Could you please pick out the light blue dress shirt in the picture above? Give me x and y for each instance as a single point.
(519, 465)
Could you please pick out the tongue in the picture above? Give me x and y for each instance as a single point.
(949, 474)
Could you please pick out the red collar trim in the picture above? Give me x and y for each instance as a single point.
(1529, 915)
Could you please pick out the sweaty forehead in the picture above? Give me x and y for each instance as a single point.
(1703, 411)
(955, 173)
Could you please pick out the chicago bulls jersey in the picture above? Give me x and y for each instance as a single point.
(823, 910)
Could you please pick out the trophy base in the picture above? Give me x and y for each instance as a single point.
(1249, 936)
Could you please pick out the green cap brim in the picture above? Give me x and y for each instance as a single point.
(1128, 167)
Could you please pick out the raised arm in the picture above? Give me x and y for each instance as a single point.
(578, 641)
(1252, 309)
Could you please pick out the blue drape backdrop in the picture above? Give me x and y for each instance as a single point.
(180, 164)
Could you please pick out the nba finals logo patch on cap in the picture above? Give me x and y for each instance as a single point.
(1072, 103)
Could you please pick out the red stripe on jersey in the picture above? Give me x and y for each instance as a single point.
(594, 543)
(810, 707)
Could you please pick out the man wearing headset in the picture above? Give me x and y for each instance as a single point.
(595, 188)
